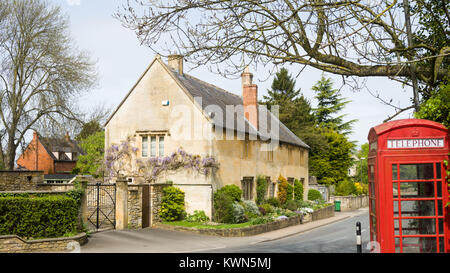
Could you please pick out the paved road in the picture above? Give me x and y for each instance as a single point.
(335, 237)
(339, 237)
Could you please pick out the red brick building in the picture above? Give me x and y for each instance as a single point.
(51, 155)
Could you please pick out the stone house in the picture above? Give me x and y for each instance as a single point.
(50, 155)
(168, 109)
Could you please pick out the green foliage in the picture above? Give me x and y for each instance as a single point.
(329, 104)
(223, 207)
(314, 194)
(273, 202)
(39, 217)
(282, 193)
(90, 128)
(361, 164)
(238, 213)
(294, 109)
(261, 189)
(345, 188)
(331, 165)
(437, 107)
(289, 192)
(291, 205)
(251, 209)
(172, 204)
(298, 190)
(231, 190)
(197, 217)
(267, 208)
(91, 162)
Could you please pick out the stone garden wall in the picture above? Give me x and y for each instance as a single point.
(349, 203)
(20, 180)
(134, 206)
(15, 244)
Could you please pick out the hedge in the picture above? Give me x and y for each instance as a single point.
(39, 217)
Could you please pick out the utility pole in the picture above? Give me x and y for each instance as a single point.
(413, 64)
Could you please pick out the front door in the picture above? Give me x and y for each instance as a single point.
(419, 197)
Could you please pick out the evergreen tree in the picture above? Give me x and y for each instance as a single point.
(329, 104)
(295, 110)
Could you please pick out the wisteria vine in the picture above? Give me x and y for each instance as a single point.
(122, 160)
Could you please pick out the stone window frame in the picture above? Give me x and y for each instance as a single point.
(247, 185)
(157, 135)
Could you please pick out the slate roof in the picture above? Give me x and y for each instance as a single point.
(213, 95)
(61, 145)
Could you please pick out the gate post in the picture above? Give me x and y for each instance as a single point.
(84, 214)
(121, 203)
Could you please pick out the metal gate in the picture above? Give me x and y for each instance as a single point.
(101, 201)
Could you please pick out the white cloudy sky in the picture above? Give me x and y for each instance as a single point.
(121, 60)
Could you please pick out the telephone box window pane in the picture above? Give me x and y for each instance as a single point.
(395, 208)
(418, 226)
(441, 245)
(419, 244)
(396, 227)
(416, 189)
(418, 208)
(439, 207)
(372, 189)
(395, 190)
(373, 206)
(397, 245)
(394, 172)
(371, 173)
(416, 171)
(439, 188)
(441, 226)
(438, 170)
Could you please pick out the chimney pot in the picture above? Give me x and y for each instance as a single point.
(175, 62)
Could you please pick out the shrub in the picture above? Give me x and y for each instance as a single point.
(223, 208)
(314, 194)
(251, 209)
(262, 220)
(344, 188)
(38, 217)
(197, 216)
(261, 189)
(361, 189)
(231, 190)
(289, 192)
(274, 202)
(238, 212)
(282, 190)
(267, 208)
(172, 204)
(298, 190)
(291, 205)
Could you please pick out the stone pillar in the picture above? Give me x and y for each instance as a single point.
(121, 203)
(84, 214)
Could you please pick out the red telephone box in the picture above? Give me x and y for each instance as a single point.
(407, 186)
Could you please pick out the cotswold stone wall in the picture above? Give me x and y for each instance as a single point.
(15, 244)
(20, 180)
(349, 203)
(134, 206)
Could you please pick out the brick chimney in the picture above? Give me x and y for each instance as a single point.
(67, 136)
(176, 63)
(250, 98)
(36, 150)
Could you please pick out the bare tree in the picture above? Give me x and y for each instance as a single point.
(41, 72)
(361, 38)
